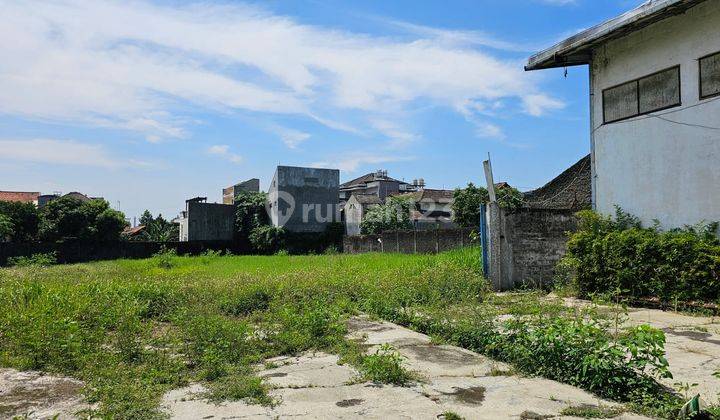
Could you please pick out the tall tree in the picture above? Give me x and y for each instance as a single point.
(24, 219)
(394, 214)
(146, 218)
(6, 228)
(467, 201)
(68, 217)
(466, 205)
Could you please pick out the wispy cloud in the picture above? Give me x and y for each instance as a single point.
(353, 162)
(140, 66)
(62, 152)
(223, 151)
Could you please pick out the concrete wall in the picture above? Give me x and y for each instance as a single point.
(209, 222)
(652, 168)
(525, 246)
(354, 212)
(229, 193)
(82, 251)
(304, 199)
(409, 242)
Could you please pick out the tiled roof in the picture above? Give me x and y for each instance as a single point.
(569, 190)
(19, 196)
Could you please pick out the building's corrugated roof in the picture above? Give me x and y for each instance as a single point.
(570, 190)
(362, 180)
(367, 198)
(19, 196)
(429, 194)
(577, 49)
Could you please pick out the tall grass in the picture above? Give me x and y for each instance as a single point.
(133, 329)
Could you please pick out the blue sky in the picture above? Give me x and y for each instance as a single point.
(147, 103)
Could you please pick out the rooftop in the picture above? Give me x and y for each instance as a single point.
(430, 194)
(569, 190)
(19, 196)
(577, 49)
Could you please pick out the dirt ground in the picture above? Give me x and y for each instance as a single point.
(39, 396)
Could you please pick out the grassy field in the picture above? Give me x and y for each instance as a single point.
(135, 329)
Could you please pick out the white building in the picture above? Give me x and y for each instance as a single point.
(355, 209)
(654, 109)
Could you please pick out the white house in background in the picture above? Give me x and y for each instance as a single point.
(355, 209)
(654, 109)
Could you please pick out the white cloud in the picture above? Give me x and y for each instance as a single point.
(141, 66)
(292, 138)
(393, 130)
(353, 162)
(223, 151)
(538, 105)
(63, 152)
(489, 130)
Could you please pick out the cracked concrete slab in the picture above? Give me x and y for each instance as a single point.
(39, 396)
(314, 386)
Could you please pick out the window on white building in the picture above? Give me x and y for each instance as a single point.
(710, 76)
(651, 93)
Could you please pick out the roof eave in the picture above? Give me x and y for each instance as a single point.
(577, 50)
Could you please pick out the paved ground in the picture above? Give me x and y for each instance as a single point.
(38, 396)
(692, 346)
(315, 386)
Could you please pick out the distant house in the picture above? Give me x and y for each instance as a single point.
(229, 193)
(20, 196)
(203, 221)
(132, 232)
(355, 209)
(431, 209)
(378, 184)
(304, 199)
(654, 109)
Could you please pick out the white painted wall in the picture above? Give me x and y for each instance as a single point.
(353, 216)
(652, 168)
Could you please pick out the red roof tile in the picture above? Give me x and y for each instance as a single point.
(19, 196)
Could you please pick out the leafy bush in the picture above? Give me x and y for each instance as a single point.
(385, 366)
(267, 239)
(619, 256)
(6, 227)
(467, 201)
(165, 257)
(394, 214)
(69, 217)
(40, 259)
(23, 218)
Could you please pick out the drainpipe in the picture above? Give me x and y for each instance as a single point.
(593, 173)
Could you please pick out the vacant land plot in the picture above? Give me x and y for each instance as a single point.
(134, 330)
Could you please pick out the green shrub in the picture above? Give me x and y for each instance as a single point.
(385, 366)
(619, 256)
(165, 257)
(267, 239)
(40, 259)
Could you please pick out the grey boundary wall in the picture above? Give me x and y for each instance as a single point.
(409, 242)
(528, 244)
(82, 251)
